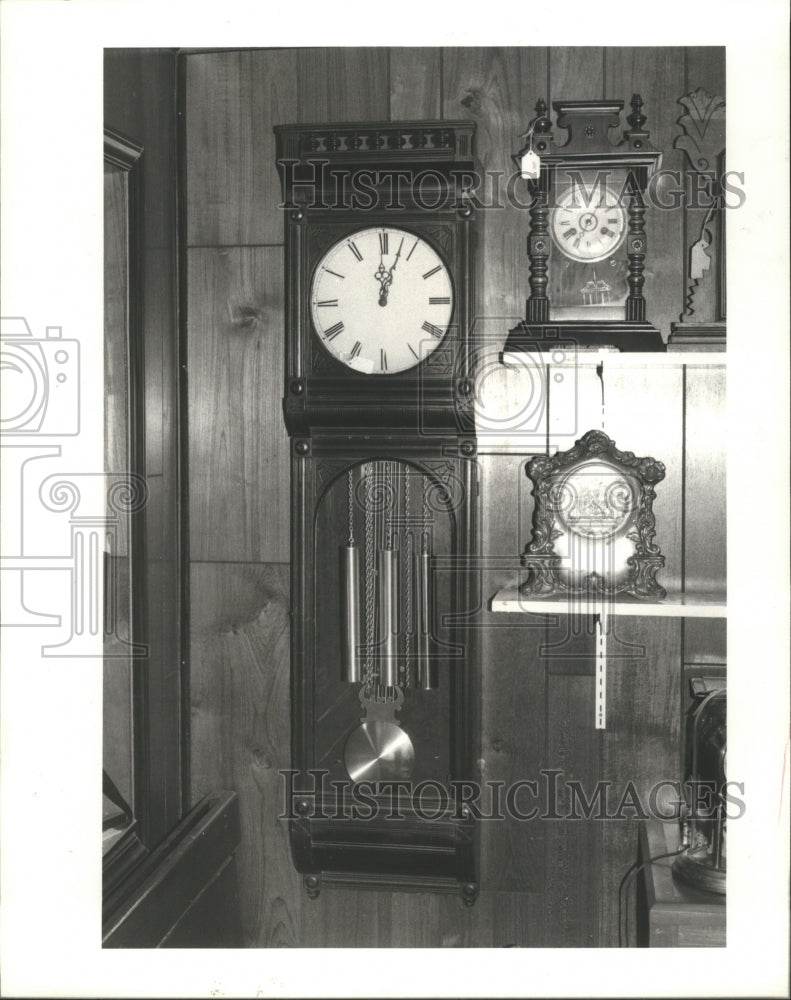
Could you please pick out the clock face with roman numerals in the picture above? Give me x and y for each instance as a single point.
(381, 300)
(588, 226)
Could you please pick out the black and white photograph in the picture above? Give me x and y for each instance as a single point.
(395, 503)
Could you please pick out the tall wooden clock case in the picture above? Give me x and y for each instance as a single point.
(378, 404)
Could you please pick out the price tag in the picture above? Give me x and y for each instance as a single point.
(531, 165)
(699, 259)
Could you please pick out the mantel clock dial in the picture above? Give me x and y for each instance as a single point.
(588, 229)
(381, 300)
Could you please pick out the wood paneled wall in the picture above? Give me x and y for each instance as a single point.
(549, 884)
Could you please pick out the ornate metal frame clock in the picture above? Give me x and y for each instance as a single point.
(588, 244)
(378, 404)
(593, 522)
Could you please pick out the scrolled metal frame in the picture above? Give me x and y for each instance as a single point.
(546, 577)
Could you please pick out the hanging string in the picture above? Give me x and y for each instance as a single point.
(388, 499)
(424, 533)
(379, 544)
(351, 506)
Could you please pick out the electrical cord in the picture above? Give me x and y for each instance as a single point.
(626, 882)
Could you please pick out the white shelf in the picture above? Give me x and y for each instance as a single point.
(690, 605)
(590, 357)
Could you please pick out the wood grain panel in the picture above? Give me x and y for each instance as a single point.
(705, 486)
(657, 74)
(240, 730)
(641, 744)
(497, 88)
(343, 84)
(415, 83)
(343, 918)
(705, 67)
(498, 920)
(239, 478)
(705, 640)
(232, 101)
(576, 73)
(512, 737)
(572, 748)
(644, 415)
(506, 511)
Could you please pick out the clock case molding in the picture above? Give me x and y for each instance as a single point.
(588, 148)
(338, 420)
(320, 391)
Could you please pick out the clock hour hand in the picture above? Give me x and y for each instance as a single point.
(385, 278)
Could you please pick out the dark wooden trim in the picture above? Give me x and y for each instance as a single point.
(140, 101)
(120, 150)
(149, 903)
(123, 152)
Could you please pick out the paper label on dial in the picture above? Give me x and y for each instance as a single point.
(364, 365)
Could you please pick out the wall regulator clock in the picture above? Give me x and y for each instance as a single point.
(378, 404)
(588, 243)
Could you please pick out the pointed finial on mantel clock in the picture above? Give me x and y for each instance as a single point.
(636, 135)
(542, 127)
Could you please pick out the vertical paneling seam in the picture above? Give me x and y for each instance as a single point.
(683, 623)
(549, 77)
(389, 82)
(684, 430)
(182, 425)
(442, 83)
(604, 73)
(684, 222)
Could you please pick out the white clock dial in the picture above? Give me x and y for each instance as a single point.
(381, 300)
(588, 230)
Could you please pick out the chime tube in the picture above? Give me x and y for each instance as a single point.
(387, 573)
(426, 666)
(350, 613)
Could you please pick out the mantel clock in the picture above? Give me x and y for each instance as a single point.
(378, 403)
(588, 243)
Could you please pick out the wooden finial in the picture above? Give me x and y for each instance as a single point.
(636, 119)
(543, 124)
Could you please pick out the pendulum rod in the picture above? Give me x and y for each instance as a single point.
(350, 597)
(407, 564)
(369, 603)
(387, 572)
(426, 666)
